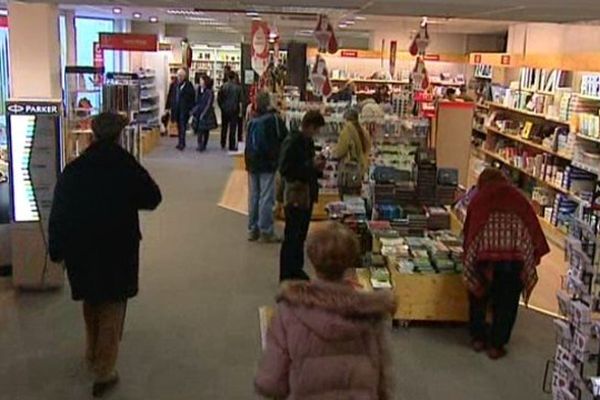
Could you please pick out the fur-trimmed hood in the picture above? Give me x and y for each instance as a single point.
(335, 310)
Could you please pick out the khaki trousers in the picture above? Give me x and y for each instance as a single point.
(104, 327)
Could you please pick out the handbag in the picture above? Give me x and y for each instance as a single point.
(349, 176)
(296, 194)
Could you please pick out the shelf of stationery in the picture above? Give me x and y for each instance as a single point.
(528, 143)
(529, 113)
(551, 185)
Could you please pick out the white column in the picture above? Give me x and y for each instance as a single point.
(34, 74)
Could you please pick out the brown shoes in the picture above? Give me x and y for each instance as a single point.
(495, 354)
(100, 388)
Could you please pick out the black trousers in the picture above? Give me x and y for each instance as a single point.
(503, 297)
(182, 125)
(203, 135)
(291, 258)
(229, 125)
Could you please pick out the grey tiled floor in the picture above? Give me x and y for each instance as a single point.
(193, 331)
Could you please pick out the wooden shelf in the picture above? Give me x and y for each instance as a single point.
(373, 81)
(588, 96)
(529, 113)
(528, 143)
(588, 138)
(506, 162)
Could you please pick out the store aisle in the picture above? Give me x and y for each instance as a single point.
(193, 331)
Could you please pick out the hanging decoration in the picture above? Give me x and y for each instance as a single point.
(325, 35)
(259, 46)
(186, 54)
(420, 42)
(320, 78)
(418, 77)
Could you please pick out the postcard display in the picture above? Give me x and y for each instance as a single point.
(576, 365)
(34, 147)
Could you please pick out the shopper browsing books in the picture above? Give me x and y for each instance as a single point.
(327, 340)
(181, 99)
(503, 245)
(299, 170)
(94, 229)
(352, 150)
(204, 113)
(266, 131)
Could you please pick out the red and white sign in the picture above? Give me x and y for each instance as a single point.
(431, 57)
(128, 41)
(98, 62)
(259, 46)
(393, 50)
(350, 53)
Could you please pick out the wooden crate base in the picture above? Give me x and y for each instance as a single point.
(430, 297)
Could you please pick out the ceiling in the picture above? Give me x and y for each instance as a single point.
(507, 10)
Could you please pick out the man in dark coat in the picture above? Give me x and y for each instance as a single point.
(300, 169)
(230, 103)
(94, 230)
(181, 100)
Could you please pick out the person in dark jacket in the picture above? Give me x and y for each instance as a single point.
(94, 229)
(299, 169)
(182, 98)
(265, 134)
(230, 99)
(204, 113)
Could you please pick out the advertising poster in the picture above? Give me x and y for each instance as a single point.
(259, 48)
(393, 50)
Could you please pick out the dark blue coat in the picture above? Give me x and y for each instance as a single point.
(204, 111)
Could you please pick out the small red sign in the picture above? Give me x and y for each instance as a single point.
(477, 59)
(350, 53)
(431, 57)
(98, 62)
(505, 59)
(128, 41)
(3, 21)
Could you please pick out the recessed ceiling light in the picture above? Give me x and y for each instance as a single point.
(256, 18)
(117, 10)
(137, 15)
(252, 14)
(201, 19)
(154, 19)
(360, 18)
(342, 25)
(349, 22)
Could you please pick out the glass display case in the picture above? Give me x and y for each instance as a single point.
(83, 100)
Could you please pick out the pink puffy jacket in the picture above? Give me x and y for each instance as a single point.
(325, 342)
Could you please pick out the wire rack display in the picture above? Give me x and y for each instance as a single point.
(121, 94)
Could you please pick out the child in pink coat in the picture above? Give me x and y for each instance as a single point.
(327, 340)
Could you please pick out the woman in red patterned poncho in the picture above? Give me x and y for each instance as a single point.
(503, 244)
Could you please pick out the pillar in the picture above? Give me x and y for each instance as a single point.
(35, 74)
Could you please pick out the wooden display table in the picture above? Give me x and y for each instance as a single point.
(238, 161)
(430, 297)
(150, 139)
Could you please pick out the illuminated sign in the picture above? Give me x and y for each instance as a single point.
(33, 138)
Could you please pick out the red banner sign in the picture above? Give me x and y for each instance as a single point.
(505, 59)
(259, 46)
(431, 57)
(350, 53)
(3, 21)
(393, 49)
(128, 41)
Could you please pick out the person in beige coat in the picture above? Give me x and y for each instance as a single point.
(352, 150)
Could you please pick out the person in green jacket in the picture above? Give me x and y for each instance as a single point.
(352, 150)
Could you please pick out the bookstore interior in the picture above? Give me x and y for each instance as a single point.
(442, 98)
